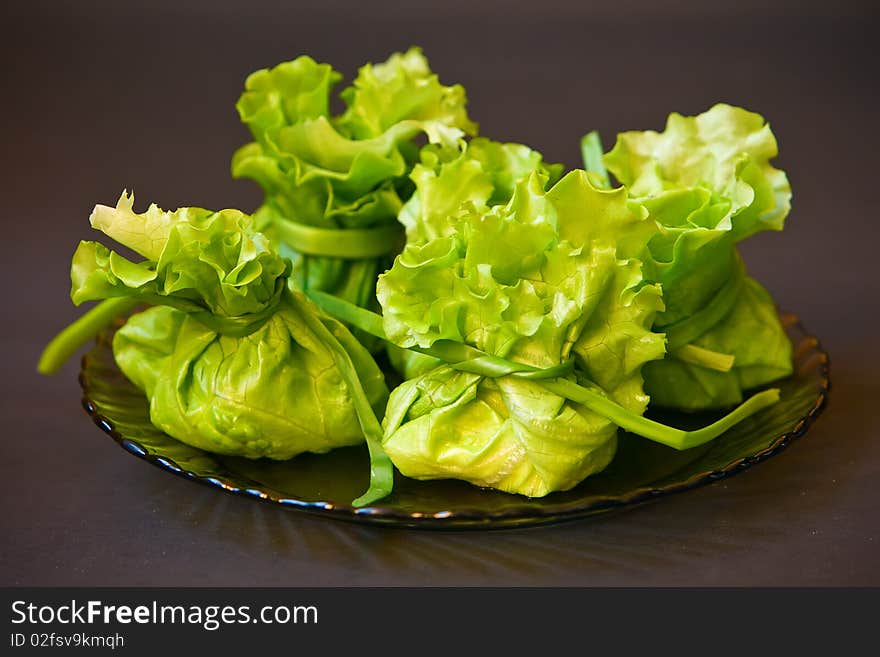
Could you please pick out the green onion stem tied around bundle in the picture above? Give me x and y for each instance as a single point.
(344, 243)
(468, 359)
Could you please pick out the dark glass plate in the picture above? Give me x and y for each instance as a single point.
(325, 484)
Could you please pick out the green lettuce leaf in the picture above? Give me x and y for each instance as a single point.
(275, 393)
(402, 89)
(751, 333)
(481, 172)
(342, 173)
(477, 174)
(540, 300)
(196, 260)
(725, 153)
(708, 183)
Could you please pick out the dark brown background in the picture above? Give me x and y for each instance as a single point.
(97, 98)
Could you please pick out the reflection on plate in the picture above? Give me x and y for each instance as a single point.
(325, 484)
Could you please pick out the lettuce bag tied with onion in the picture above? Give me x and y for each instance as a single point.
(708, 183)
(334, 184)
(231, 360)
(530, 283)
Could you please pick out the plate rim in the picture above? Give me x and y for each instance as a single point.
(521, 515)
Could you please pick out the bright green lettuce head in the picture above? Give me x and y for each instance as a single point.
(342, 172)
(708, 183)
(274, 393)
(230, 359)
(520, 281)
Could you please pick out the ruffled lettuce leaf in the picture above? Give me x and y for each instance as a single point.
(341, 172)
(617, 338)
(481, 172)
(478, 174)
(287, 94)
(403, 89)
(708, 183)
(725, 152)
(539, 301)
(195, 260)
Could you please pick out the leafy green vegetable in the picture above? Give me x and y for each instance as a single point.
(231, 360)
(334, 185)
(531, 302)
(478, 174)
(481, 172)
(208, 263)
(616, 339)
(708, 183)
(750, 333)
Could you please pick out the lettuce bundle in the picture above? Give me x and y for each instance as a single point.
(532, 283)
(529, 313)
(231, 360)
(334, 185)
(708, 184)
